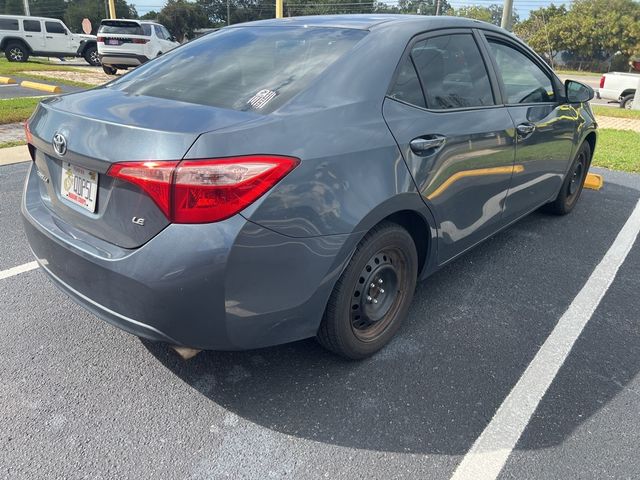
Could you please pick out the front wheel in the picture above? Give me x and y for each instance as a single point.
(373, 294)
(573, 183)
(92, 57)
(109, 70)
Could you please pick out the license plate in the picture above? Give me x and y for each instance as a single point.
(113, 41)
(79, 186)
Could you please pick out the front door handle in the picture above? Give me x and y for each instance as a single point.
(49, 36)
(525, 129)
(423, 145)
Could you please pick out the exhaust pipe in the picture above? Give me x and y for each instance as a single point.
(185, 352)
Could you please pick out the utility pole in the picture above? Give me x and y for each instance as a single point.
(506, 14)
(437, 7)
(106, 8)
(279, 8)
(26, 8)
(112, 9)
(228, 13)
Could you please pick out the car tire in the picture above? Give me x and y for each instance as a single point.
(361, 315)
(109, 70)
(91, 56)
(16, 52)
(573, 183)
(626, 102)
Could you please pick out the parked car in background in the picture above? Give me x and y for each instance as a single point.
(619, 86)
(123, 44)
(285, 179)
(22, 37)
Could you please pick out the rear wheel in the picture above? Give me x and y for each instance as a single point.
(373, 294)
(91, 56)
(109, 70)
(16, 52)
(573, 183)
(626, 102)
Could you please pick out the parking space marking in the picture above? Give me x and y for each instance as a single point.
(489, 453)
(19, 269)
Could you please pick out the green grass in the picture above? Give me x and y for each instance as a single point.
(57, 81)
(17, 109)
(13, 143)
(618, 150)
(577, 73)
(615, 112)
(8, 68)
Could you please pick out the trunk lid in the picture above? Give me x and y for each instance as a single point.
(105, 126)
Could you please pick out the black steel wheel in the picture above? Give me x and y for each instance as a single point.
(373, 294)
(573, 183)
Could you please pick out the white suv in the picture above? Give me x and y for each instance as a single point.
(129, 43)
(22, 36)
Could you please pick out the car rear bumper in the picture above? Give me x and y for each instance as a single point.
(125, 59)
(229, 285)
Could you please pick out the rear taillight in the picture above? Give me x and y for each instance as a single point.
(100, 39)
(204, 191)
(139, 40)
(602, 81)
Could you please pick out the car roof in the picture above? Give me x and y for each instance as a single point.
(30, 17)
(371, 21)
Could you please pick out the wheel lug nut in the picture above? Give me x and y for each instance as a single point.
(380, 281)
(375, 300)
(369, 299)
(373, 285)
(382, 290)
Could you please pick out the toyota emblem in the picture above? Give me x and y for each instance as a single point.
(60, 144)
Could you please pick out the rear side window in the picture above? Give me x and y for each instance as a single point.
(407, 87)
(121, 28)
(242, 68)
(524, 81)
(31, 25)
(159, 32)
(8, 24)
(146, 28)
(54, 27)
(452, 71)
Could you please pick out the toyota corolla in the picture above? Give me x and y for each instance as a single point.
(285, 179)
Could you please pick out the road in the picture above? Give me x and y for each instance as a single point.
(81, 399)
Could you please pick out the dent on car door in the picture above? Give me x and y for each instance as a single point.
(457, 143)
(545, 127)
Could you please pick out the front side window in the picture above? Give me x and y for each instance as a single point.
(166, 33)
(9, 24)
(524, 81)
(54, 27)
(453, 72)
(242, 68)
(32, 26)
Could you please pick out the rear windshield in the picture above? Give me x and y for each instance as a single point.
(244, 68)
(125, 28)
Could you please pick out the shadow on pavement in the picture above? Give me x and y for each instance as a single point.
(473, 328)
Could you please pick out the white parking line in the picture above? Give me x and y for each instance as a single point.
(19, 269)
(489, 453)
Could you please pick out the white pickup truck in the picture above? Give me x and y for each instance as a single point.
(619, 86)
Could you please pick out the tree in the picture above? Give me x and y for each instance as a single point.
(150, 15)
(94, 11)
(491, 14)
(13, 7)
(544, 31)
(182, 18)
(48, 8)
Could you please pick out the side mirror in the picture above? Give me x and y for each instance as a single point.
(578, 92)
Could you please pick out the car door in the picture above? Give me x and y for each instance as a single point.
(456, 140)
(545, 125)
(33, 34)
(57, 38)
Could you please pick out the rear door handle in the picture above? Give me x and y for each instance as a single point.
(49, 36)
(423, 145)
(28, 36)
(525, 129)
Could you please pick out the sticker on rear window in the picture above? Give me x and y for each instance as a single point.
(260, 99)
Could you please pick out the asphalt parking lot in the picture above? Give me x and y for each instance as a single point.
(81, 399)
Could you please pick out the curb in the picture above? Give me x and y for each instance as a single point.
(41, 86)
(11, 155)
(7, 81)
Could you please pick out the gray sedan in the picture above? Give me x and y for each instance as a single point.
(285, 179)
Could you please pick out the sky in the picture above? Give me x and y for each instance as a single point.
(523, 7)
